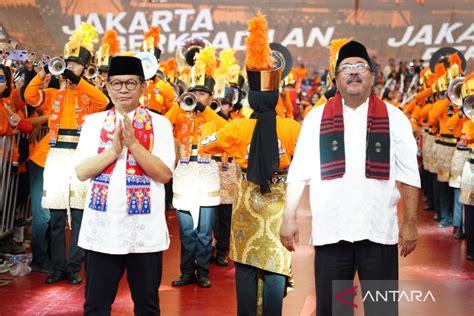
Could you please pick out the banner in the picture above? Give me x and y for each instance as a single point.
(404, 30)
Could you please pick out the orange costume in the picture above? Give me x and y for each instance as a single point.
(5, 128)
(467, 178)
(68, 109)
(284, 107)
(196, 177)
(234, 139)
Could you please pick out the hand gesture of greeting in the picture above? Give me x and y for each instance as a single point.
(128, 134)
(117, 143)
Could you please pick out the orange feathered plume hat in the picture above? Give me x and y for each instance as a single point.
(262, 73)
(170, 69)
(109, 48)
(203, 70)
(151, 40)
(440, 72)
(81, 44)
(455, 69)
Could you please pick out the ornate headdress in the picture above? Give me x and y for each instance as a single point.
(263, 67)
(203, 70)
(151, 40)
(109, 48)
(81, 44)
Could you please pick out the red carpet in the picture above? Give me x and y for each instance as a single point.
(438, 256)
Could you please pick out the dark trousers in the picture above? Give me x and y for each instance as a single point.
(427, 187)
(40, 234)
(196, 244)
(446, 201)
(58, 241)
(103, 274)
(436, 194)
(246, 281)
(222, 228)
(169, 193)
(469, 229)
(340, 261)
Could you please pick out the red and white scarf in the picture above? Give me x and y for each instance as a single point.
(137, 182)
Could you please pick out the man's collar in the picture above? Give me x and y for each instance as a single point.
(364, 104)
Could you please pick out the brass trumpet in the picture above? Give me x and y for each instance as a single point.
(454, 91)
(56, 66)
(216, 105)
(91, 72)
(467, 96)
(187, 101)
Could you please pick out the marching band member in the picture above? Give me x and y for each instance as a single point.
(109, 48)
(467, 178)
(196, 183)
(263, 146)
(226, 91)
(68, 109)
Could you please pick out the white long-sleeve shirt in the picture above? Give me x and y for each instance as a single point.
(354, 208)
(115, 231)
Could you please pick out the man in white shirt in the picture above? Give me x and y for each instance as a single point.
(353, 152)
(128, 153)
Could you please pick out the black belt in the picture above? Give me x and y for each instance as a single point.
(67, 138)
(219, 159)
(445, 143)
(447, 140)
(448, 136)
(64, 145)
(471, 157)
(215, 158)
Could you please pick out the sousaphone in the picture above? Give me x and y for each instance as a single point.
(187, 49)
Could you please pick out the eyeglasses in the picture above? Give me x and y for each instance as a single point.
(357, 68)
(129, 84)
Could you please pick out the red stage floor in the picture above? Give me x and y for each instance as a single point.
(437, 257)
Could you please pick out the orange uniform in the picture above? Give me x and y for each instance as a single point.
(5, 128)
(284, 107)
(177, 116)
(235, 138)
(455, 124)
(45, 99)
(159, 96)
(196, 180)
